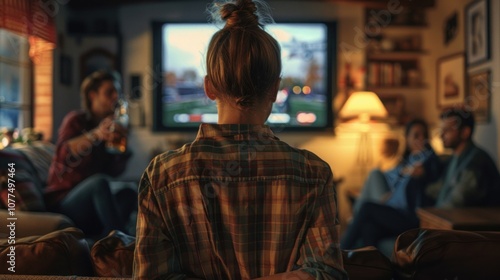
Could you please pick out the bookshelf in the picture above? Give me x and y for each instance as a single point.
(395, 49)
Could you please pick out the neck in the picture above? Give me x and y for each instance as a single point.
(232, 114)
(461, 147)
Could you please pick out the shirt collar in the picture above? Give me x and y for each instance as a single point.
(236, 131)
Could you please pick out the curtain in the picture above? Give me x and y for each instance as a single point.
(30, 18)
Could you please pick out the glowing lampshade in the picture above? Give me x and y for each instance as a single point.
(364, 105)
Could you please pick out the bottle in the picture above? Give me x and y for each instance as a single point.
(118, 145)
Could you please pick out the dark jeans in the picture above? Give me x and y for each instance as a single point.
(375, 222)
(95, 209)
(374, 189)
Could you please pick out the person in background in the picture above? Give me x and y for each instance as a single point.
(471, 177)
(395, 193)
(238, 203)
(79, 177)
(418, 164)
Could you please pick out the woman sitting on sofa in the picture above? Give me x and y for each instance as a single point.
(79, 177)
(399, 190)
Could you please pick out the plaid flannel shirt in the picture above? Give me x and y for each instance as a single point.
(237, 203)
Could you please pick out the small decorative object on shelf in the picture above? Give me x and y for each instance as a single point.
(393, 55)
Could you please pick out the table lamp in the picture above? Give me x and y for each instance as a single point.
(363, 105)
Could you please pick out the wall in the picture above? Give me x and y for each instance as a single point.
(67, 96)
(486, 135)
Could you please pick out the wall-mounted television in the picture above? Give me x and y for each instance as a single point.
(304, 100)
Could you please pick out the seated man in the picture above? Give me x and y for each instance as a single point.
(470, 179)
(79, 181)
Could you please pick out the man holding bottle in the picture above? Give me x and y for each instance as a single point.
(80, 174)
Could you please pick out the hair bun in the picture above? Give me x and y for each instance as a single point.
(241, 13)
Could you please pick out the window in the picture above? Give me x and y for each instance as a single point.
(15, 81)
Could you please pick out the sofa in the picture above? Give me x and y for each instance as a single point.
(48, 246)
(29, 169)
(31, 163)
(418, 254)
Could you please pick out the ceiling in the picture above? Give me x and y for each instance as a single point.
(96, 4)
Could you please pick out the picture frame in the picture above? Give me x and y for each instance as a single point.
(479, 95)
(450, 80)
(477, 32)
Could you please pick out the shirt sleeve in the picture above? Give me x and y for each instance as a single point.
(154, 255)
(320, 254)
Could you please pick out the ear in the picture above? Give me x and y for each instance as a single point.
(208, 89)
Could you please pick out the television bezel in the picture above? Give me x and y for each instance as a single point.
(157, 56)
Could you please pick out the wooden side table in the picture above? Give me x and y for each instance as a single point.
(474, 219)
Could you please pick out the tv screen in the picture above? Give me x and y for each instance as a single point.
(304, 100)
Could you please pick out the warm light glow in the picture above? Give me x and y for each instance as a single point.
(363, 104)
(306, 89)
(39, 47)
(296, 90)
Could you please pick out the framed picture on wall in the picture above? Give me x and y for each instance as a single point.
(477, 32)
(479, 95)
(450, 80)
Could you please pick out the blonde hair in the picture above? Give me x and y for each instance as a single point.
(243, 60)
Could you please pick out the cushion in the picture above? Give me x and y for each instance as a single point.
(40, 155)
(25, 195)
(447, 254)
(113, 256)
(36, 223)
(63, 252)
(366, 263)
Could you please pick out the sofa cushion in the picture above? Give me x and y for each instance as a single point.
(113, 256)
(366, 263)
(39, 154)
(23, 196)
(27, 190)
(63, 252)
(36, 223)
(447, 254)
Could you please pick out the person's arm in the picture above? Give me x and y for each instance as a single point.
(154, 255)
(433, 167)
(465, 192)
(320, 254)
(77, 145)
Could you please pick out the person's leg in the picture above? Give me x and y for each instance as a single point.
(125, 194)
(375, 222)
(92, 206)
(126, 200)
(385, 222)
(374, 189)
